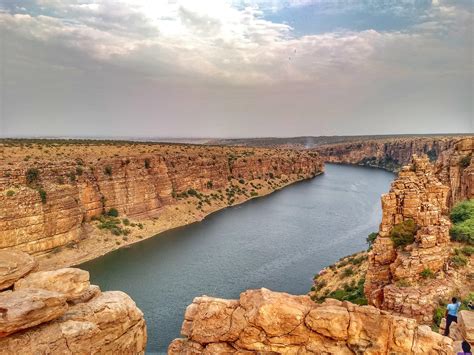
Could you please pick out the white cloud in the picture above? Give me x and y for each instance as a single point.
(218, 41)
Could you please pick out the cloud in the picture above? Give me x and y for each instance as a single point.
(232, 42)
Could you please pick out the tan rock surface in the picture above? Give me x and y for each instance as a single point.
(108, 324)
(71, 282)
(262, 321)
(14, 264)
(28, 308)
(466, 325)
(416, 194)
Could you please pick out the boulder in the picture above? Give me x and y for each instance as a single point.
(71, 282)
(262, 321)
(466, 325)
(110, 323)
(27, 308)
(14, 264)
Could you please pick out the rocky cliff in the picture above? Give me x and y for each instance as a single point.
(59, 312)
(262, 321)
(49, 192)
(451, 155)
(409, 271)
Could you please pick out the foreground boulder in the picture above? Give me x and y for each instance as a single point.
(109, 324)
(14, 265)
(70, 282)
(266, 321)
(60, 312)
(27, 308)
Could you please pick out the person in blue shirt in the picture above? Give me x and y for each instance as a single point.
(451, 314)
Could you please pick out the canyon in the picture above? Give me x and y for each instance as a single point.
(60, 211)
(52, 193)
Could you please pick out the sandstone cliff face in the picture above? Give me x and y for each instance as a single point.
(48, 194)
(262, 321)
(453, 157)
(390, 153)
(59, 312)
(394, 276)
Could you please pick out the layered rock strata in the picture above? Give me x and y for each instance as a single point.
(390, 153)
(61, 313)
(262, 321)
(394, 277)
(49, 192)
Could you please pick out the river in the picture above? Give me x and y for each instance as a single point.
(279, 242)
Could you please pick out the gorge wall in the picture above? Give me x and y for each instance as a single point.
(452, 157)
(50, 191)
(262, 321)
(59, 312)
(412, 277)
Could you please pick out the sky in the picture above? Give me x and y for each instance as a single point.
(241, 68)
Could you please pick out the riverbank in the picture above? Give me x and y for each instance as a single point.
(100, 242)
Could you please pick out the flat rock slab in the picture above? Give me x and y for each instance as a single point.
(27, 308)
(14, 264)
(71, 282)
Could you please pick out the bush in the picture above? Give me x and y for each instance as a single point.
(42, 194)
(462, 215)
(468, 251)
(10, 193)
(209, 184)
(113, 212)
(371, 238)
(147, 163)
(192, 192)
(32, 176)
(348, 272)
(79, 170)
(403, 234)
(465, 161)
(438, 315)
(427, 273)
(108, 170)
(459, 260)
(353, 293)
(462, 211)
(125, 222)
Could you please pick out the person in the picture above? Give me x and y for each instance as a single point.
(466, 348)
(451, 314)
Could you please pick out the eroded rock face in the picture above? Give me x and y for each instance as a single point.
(14, 265)
(418, 195)
(265, 321)
(27, 308)
(109, 323)
(453, 157)
(85, 180)
(59, 312)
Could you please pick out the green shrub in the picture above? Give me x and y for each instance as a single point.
(462, 211)
(348, 272)
(462, 215)
(108, 170)
(427, 273)
(209, 184)
(10, 193)
(438, 315)
(147, 163)
(42, 194)
(403, 234)
(192, 192)
(125, 222)
(79, 170)
(32, 176)
(242, 181)
(371, 239)
(459, 260)
(465, 161)
(353, 293)
(467, 250)
(113, 212)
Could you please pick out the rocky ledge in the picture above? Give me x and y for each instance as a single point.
(262, 321)
(60, 312)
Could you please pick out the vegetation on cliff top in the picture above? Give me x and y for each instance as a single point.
(462, 216)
